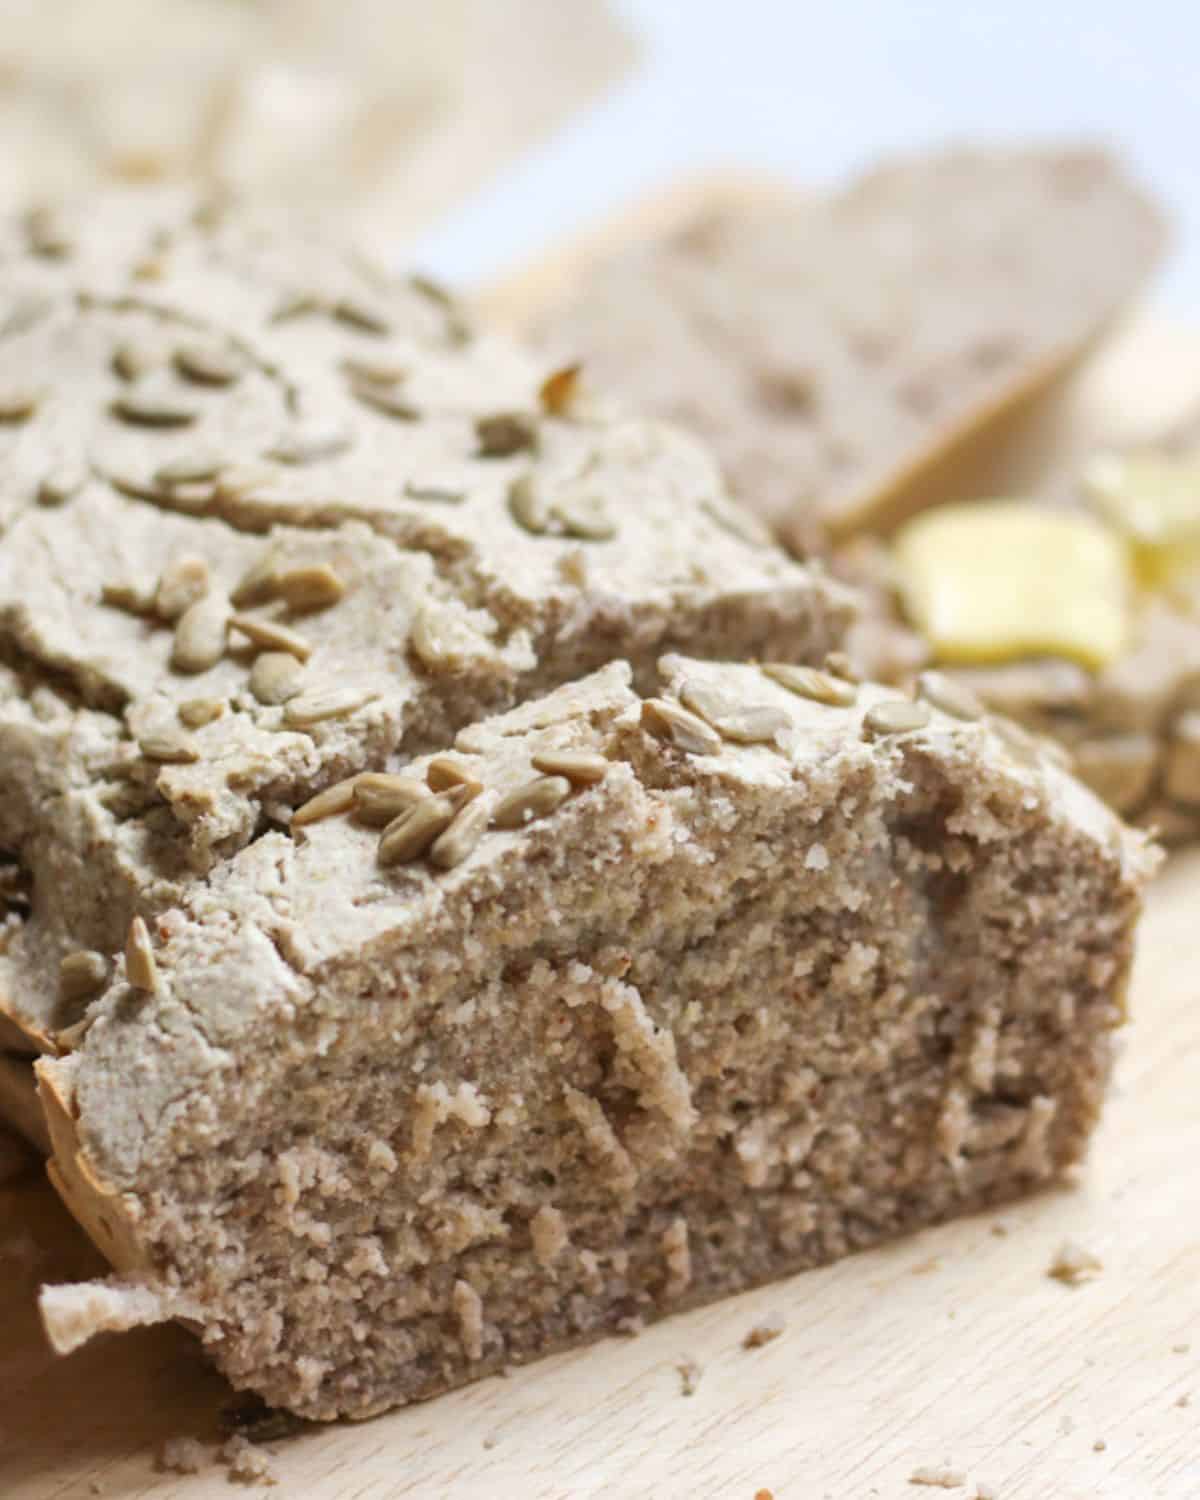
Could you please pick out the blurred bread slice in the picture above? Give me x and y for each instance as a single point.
(839, 351)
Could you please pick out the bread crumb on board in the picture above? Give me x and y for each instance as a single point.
(1099, 1446)
(763, 1495)
(763, 1333)
(180, 1455)
(938, 1477)
(690, 1371)
(1074, 1264)
(246, 1464)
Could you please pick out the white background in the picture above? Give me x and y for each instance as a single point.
(814, 89)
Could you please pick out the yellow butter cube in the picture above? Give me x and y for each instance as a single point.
(999, 580)
(1155, 502)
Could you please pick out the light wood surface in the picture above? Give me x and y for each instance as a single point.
(952, 1348)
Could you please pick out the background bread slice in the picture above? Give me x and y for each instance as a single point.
(836, 349)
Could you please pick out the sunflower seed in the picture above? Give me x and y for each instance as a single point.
(747, 724)
(444, 774)
(442, 639)
(559, 390)
(188, 468)
(1022, 745)
(275, 677)
(506, 433)
(197, 712)
(731, 518)
(463, 835)
(308, 442)
(385, 400)
(239, 480)
(182, 583)
(260, 584)
(528, 504)
(580, 767)
(585, 516)
(311, 587)
(48, 232)
(684, 730)
(141, 969)
(25, 313)
(81, 974)
(200, 635)
(208, 364)
(536, 799)
(134, 358)
(153, 406)
(895, 716)
(408, 836)
(18, 402)
(169, 744)
(838, 662)
(272, 637)
(150, 268)
(133, 598)
(380, 798)
(380, 370)
(367, 317)
(316, 705)
(953, 698)
(297, 304)
(62, 482)
(432, 290)
(335, 799)
(190, 499)
(807, 682)
(435, 492)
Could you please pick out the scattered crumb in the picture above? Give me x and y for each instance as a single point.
(1181, 1348)
(763, 1495)
(984, 1492)
(1184, 1400)
(490, 1442)
(1074, 1264)
(1099, 1446)
(762, 1333)
(938, 1478)
(690, 1371)
(246, 1463)
(1000, 1229)
(180, 1455)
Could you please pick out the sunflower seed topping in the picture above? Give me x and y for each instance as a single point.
(953, 698)
(309, 442)
(464, 833)
(208, 364)
(559, 389)
(506, 433)
(333, 801)
(62, 482)
(82, 974)
(197, 712)
(529, 505)
(314, 587)
(580, 767)
(275, 677)
(444, 774)
(443, 640)
(408, 836)
(365, 316)
(272, 637)
(260, 584)
(747, 724)
(18, 402)
(380, 797)
(141, 969)
(585, 515)
(380, 370)
(740, 523)
(297, 304)
(838, 662)
(134, 358)
(895, 716)
(188, 468)
(150, 404)
(383, 399)
(807, 682)
(441, 494)
(236, 481)
(133, 598)
(200, 635)
(183, 582)
(316, 705)
(49, 234)
(536, 799)
(169, 744)
(685, 730)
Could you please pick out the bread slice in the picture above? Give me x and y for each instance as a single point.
(836, 349)
(698, 990)
(273, 517)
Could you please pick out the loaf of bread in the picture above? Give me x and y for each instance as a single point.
(641, 1001)
(831, 348)
(272, 518)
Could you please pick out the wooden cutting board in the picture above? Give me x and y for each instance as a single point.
(952, 1348)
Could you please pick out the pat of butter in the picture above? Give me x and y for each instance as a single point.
(1155, 502)
(998, 580)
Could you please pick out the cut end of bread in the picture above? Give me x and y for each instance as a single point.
(74, 1312)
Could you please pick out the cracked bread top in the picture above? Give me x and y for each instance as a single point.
(289, 941)
(273, 515)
